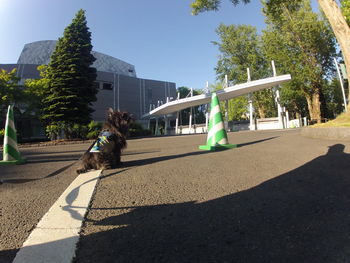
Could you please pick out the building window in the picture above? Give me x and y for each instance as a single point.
(107, 86)
(130, 70)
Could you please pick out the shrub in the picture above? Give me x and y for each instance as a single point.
(94, 129)
(2, 134)
(78, 131)
(53, 131)
(136, 130)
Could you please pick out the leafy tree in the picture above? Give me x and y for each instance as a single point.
(198, 111)
(241, 48)
(10, 91)
(34, 91)
(331, 9)
(333, 97)
(303, 44)
(237, 107)
(345, 8)
(70, 91)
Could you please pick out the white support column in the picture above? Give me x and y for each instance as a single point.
(190, 117)
(156, 131)
(251, 109)
(248, 75)
(177, 116)
(177, 123)
(206, 121)
(190, 122)
(226, 105)
(341, 84)
(277, 98)
(194, 121)
(207, 91)
(165, 125)
(226, 115)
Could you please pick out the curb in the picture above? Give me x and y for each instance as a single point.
(331, 133)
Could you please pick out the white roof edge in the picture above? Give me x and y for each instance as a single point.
(227, 93)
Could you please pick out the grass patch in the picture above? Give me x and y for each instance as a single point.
(343, 120)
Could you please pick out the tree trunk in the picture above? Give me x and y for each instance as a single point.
(261, 111)
(314, 106)
(340, 28)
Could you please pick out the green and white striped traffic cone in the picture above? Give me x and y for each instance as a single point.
(11, 154)
(217, 136)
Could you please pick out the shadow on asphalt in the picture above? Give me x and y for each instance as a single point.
(299, 216)
(254, 142)
(176, 156)
(26, 180)
(33, 152)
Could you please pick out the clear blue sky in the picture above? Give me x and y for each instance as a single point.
(159, 37)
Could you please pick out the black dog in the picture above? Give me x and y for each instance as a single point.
(105, 152)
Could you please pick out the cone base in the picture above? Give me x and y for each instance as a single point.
(21, 161)
(217, 147)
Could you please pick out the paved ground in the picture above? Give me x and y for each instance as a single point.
(29, 190)
(278, 197)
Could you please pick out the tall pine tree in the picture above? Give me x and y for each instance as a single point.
(70, 91)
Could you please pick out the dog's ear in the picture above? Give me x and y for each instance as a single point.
(110, 112)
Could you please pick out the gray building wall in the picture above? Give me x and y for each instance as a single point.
(39, 53)
(130, 94)
(125, 93)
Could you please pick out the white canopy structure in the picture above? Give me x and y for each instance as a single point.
(224, 94)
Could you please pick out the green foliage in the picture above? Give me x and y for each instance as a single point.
(277, 15)
(136, 130)
(333, 98)
(302, 44)
(345, 8)
(199, 6)
(73, 131)
(237, 107)
(53, 131)
(10, 91)
(94, 128)
(34, 92)
(2, 134)
(70, 92)
(241, 48)
(78, 131)
(198, 111)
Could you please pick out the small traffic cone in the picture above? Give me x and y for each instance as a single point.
(217, 136)
(11, 154)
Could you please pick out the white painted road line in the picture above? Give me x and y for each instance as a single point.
(55, 237)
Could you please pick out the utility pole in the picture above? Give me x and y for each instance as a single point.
(341, 83)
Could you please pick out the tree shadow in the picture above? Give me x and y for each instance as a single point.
(176, 156)
(299, 216)
(254, 142)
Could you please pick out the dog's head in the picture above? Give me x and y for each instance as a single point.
(118, 121)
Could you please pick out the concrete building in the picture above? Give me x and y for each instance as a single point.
(118, 84)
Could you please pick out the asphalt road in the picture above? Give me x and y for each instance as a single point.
(29, 190)
(278, 197)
